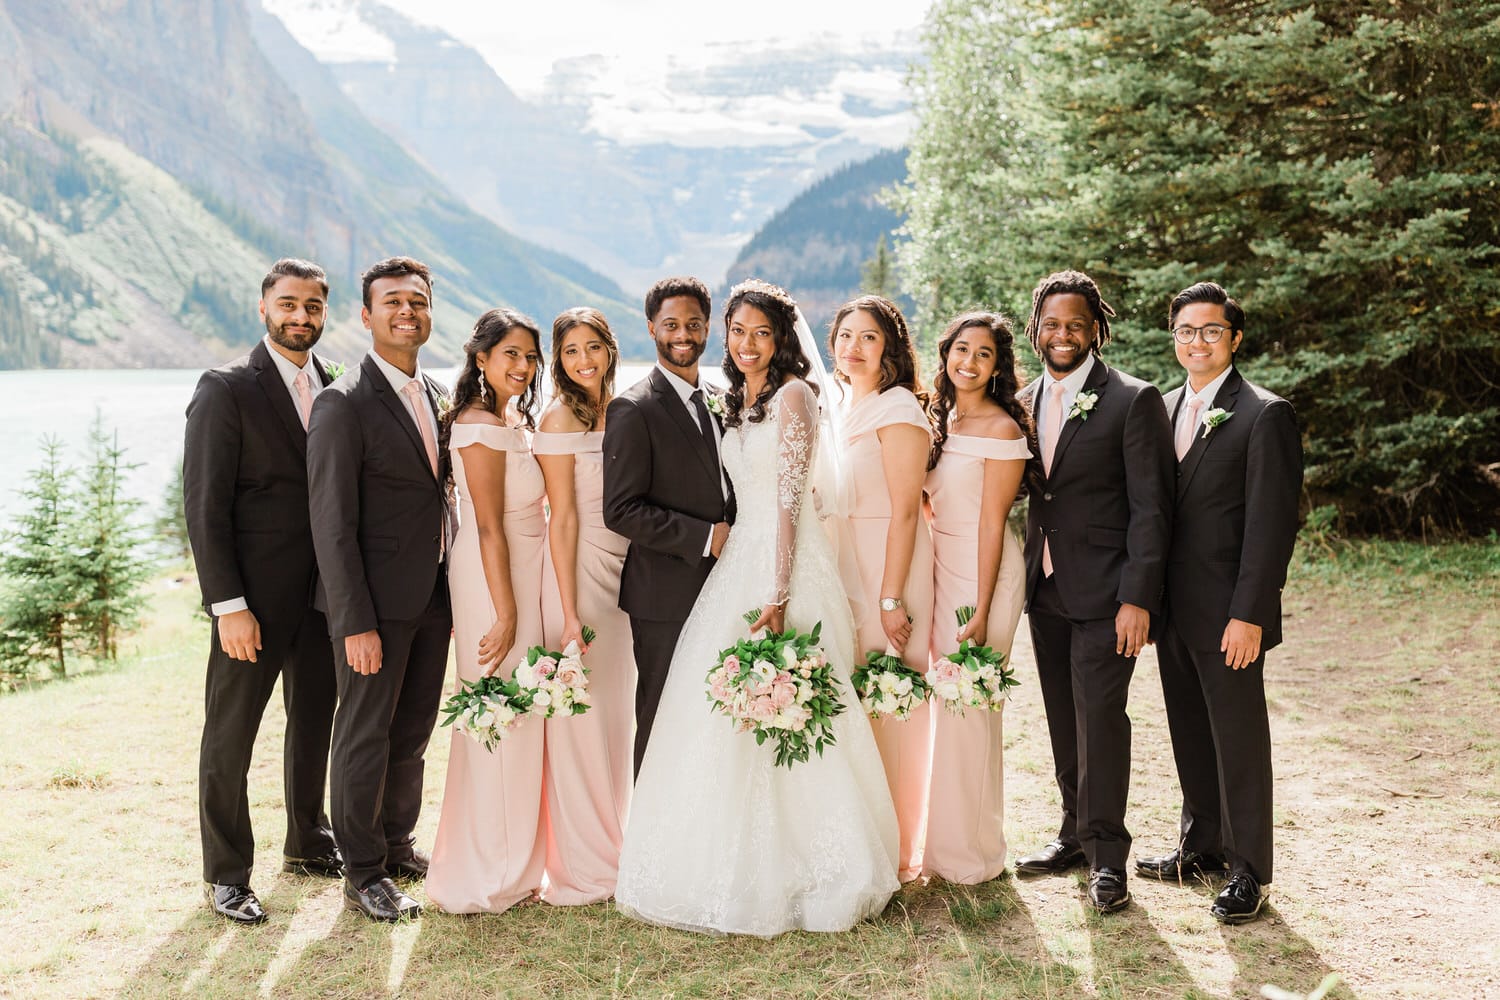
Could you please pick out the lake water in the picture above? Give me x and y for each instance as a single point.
(145, 407)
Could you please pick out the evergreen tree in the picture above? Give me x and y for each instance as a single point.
(171, 522)
(878, 276)
(1335, 166)
(110, 545)
(36, 622)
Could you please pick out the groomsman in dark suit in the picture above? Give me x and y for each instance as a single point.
(1239, 473)
(1096, 550)
(380, 519)
(244, 485)
(664, 488)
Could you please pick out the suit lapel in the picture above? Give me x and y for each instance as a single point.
(269, 379)
(1201, 443)
(397, 406)
(1098, 376)
(686, 422)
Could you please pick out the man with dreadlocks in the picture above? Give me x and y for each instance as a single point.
(1097, 535)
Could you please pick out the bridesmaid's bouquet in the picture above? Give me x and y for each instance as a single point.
(545, 684)
(888, 687)
(973, 676)
(486, 710)
(780, 688)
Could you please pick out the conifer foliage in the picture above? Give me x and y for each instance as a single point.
(1336, 166)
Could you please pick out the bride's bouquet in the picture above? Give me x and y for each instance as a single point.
(973, 676)
(546, 683)
(780, 688)
(888, 687)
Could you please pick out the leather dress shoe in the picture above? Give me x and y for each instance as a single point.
(413, 868)
(1241, 900)
(1107, 891)
(381, 900)
(1182, 865)
(236, 902)
(330, 865)
(1054, 859)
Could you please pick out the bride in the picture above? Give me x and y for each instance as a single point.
(720, 839)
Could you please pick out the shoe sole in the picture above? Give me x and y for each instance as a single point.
(1235, 919)
(1114, 907)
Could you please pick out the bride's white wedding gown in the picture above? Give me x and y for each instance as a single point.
(719, 838)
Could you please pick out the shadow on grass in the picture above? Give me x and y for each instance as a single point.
(1269, 951)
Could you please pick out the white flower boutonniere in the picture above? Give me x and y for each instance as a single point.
(1083, 405)
(715, 404)
(1214, 418)
(444, 404)
(334, 369)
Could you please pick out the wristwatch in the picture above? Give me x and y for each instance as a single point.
(890, 603)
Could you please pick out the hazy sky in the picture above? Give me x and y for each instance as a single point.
(522, 40)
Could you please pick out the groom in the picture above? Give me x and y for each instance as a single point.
(664, 488)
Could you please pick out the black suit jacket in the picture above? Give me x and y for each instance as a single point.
(662, 492)
(1106, 506)
(377, 508)
(244, 490)
(1236, 516)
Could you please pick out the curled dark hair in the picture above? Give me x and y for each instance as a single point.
(1002, 387)
(787, 358)
(394, 267)
(670, 288)
(490, 329)
(293, 267)
(574, 396)
(1213, 294)
(1068, 283)
(898, 356)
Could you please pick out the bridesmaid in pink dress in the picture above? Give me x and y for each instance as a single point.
(983, 446)
(490, 841)
(588, 775)
(887, 438)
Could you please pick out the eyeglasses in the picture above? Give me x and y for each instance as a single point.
(1211, 334)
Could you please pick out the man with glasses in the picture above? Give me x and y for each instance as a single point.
(1239, 473)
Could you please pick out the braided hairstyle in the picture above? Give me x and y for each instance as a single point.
(489, 330)
(573, 395)
(786, 360)
(1002, 387)
(898, 356)
(1068, 283)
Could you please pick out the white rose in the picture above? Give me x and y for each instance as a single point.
(504, 715)
(789, 656)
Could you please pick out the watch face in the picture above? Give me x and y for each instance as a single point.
(889, 604)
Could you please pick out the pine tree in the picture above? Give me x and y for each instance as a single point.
(878, 276)
(36, 622)
(170, 526)
(111, 548)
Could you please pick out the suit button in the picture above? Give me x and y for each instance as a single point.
(435, 539)
(1046, 496)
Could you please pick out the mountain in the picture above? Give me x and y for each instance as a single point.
(818, 245)
(157, 156)
(637, 177)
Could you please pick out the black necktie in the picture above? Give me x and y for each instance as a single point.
(705, 422)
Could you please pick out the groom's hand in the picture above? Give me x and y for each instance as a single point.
(363, 652)
(239, 634)
(717, 538)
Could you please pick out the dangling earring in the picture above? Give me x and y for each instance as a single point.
(484, 390)
(993, 379)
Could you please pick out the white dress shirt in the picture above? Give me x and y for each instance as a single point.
(1207, 395)
(1072, 383)
(685, 390)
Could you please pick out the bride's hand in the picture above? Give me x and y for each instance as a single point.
(772, 618)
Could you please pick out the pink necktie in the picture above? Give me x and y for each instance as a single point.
(416, 400)
(1186, 427)
(1052, 417)
(303, 385)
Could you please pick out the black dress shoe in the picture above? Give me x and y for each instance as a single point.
(1054, 859)
(1107, 891)
(235, 902)
(413, 868)
(330, 865)
(381, 900)
(1182, 866)
(1241, 900)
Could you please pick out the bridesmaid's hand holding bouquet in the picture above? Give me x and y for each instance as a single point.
(973, 676)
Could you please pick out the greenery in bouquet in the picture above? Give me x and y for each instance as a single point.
(887, 687)
(972, 676)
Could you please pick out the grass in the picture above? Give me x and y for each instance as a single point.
(1383, 704)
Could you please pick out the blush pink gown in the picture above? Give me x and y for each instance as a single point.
(905, 746)
(588, 775)
(966, 815)
(490, 845)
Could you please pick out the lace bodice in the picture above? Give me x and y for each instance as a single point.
(768, 462)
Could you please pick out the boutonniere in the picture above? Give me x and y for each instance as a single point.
(334, 369)
(1083, 405)
(715, 403)
(1214, 418)
(444, 404)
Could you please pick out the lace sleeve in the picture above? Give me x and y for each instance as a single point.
(796, 429)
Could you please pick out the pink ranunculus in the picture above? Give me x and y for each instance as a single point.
(545, 666)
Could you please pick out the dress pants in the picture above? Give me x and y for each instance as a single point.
(1085, 685)
(1221, 739)
(653, 643)
(235, 697)
(380, 733)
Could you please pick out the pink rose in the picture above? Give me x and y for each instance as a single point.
(732, 664)
(944, 672)
(570, 676)
(783, 694)
(545, 666)
(763, 709)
